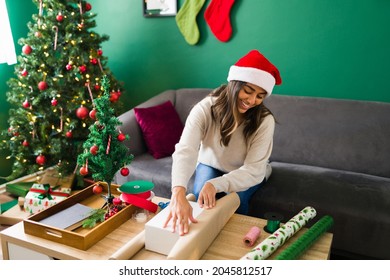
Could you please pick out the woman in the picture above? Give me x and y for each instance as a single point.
(228, 139)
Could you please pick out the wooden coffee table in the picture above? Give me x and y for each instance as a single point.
(228, 245)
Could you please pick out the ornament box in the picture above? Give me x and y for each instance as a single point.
(80, 238)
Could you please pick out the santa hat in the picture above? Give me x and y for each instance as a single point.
(254, 68)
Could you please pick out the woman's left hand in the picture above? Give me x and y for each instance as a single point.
(207, 196)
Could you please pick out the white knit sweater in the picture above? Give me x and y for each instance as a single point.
(245, 166)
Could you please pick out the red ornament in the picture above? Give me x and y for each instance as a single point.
(69, 134)
(117, 201)
(26, 49)
(97, 87)
(114, 97)
(24, 72)
(88, 7)
(26, 104)
(94, 61)
(42, 85)
(54, 102)
(83, 171)
(13, 131)
(82, 68)
(41, 160)
(82, 112)
(69, 67)
(99, 52)
(92, 114)
(97, 189)
(94, 149)
(121, 137)
(60, 17)
(25, 143)
(125, 171)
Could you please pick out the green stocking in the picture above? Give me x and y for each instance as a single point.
(186, 20)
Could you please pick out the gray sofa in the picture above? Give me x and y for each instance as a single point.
(331, 154)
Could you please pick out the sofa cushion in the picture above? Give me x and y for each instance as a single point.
(337, 193)
(161, 128)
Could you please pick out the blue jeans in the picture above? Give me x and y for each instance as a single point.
(204, 173)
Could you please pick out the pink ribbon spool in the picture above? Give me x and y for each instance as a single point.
(251, 237)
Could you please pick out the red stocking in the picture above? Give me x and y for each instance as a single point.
(217, 16)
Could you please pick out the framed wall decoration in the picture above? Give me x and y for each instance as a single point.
(159, 8)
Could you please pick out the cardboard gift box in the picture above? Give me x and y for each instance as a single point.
(55, 179)
(42, 196)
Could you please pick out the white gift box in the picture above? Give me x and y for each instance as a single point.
(159, 239)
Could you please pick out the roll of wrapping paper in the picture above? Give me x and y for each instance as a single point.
(132, 247)
(251, 237)
(269, 245)
(306, 240)
(210, 222)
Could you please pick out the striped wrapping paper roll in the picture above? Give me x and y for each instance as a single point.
(279, 237)
(306, 240)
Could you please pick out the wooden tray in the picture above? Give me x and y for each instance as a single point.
(80, 238)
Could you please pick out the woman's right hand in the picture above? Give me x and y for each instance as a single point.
(180, 211)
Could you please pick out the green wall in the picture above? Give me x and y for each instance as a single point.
(324, 48)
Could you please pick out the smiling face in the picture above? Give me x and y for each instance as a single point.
(250, 96)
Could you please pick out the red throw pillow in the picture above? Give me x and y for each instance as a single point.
(161, 128)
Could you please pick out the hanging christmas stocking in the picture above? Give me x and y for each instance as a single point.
(186, 20)
(217, 16)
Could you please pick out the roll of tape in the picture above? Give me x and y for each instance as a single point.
(252, 235)
(273, 222)
(141, 217)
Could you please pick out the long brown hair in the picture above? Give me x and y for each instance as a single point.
(225, 111)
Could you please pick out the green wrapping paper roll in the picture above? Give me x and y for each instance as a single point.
(306, 240)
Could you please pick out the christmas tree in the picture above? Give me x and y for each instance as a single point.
(57, 76)
(104, 151)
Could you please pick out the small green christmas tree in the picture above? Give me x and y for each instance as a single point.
(58, 73)
(104, 151)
